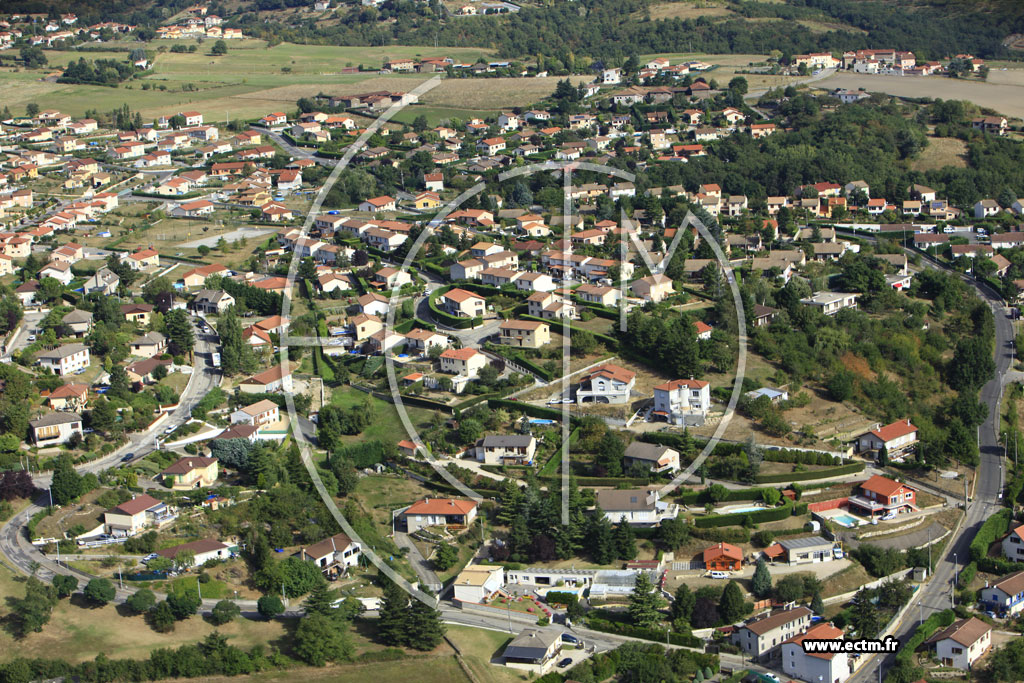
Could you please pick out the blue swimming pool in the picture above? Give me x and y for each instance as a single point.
(541, 421)
(736, 510)
(846, 520)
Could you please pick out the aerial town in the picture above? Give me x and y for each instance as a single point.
(340, 356)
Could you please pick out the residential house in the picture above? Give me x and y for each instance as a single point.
(815, 667)
(277, 378)
(986, 208)
(762, 636)
(831, 303)
(104, 282)
(54, 429)
(1013, 542)
(149, 344)
(534, 650)
(201, 551)
(334, 555)
(375, 204)
(191, 472)
(78, 322)
(142, 371)
(651, 457)
(653, 288)
(898, 439)
(477, 583)
(65, 360)
(607, 383)
(806, 550)
(143, 258)
(514, 449)
(465, 362)
(68, 397)
(259, 414)
(723, 557)
(464, 304)
(212, 301)
(990, 124)
(132, 516)
(642, 507)
(529, 334)
(1006, 596)
(437, 512)
(883, 496)
(962, 643)
(676, 400)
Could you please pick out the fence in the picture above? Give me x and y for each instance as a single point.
(833, 504)
(687, 566)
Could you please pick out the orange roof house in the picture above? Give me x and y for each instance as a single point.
(723, 557)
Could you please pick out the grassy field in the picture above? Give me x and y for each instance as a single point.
(479, 647)
(444, 669)
(941, 152)
(386, 425)
(688, 10)
(1005, 92)
(239, 84)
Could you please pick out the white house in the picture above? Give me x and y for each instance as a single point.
(815, 667)
(1013, 544)
(764, 635)
(1006, 597)
(66, 359)
(607, 383)
(332, 555)
(257, 414)
(55, 428)
(897, 438)
(476, 583)
(642, 507)
(961, 643)
(465, 361)
(506, 449)
(437, 512)
(831, 303)
(674, 400)
(203, 551)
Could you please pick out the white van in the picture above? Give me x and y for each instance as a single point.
(719, 575)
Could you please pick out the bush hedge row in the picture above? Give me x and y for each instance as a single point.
(631, 631)
(768, 515)
(924, 631)
(852, 468)
(994, 527)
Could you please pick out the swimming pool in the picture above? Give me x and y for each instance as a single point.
(541, 421)
(736, 510)
(846, 520)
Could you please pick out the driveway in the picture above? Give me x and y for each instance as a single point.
(419, 564)
(914, 539)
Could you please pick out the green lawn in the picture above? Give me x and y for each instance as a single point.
(479, 647)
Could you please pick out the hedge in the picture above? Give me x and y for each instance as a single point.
(704, 495)
(994, 527)
(967, 575)
(768, 515)
(999, 565)
(852, 468)
(448, 319)
(527, 408)
(597, 309)
(927, 628)
(630, 631)
(604, 481)
(722, 535)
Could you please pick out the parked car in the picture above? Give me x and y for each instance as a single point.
(718, 575)
(889, 515)
(837, 553)
(565, 662)
(570, 638)
(151, 556)
(170, 429)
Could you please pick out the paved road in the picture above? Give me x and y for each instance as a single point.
(20, 341)
(914, 539)
(935, 595)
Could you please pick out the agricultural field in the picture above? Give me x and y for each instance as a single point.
(1003, 93)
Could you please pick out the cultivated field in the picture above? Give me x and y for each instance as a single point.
(1004, 93)
(688, 10)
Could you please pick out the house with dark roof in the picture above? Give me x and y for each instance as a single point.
(1006, 596)
(806, 550)
(764, 635)
(641, 507)
(55, 428)
(651, 457)
(962, 643)
(437, 512)
(506, 449)
(332, 555)
(534, 650)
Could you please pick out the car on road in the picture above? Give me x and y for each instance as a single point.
(570, 638)
(151, 556)
(31, 337)
(128, 457)
(170, 429)
(565, 662)
(769, 678)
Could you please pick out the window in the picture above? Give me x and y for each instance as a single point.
(958, 650)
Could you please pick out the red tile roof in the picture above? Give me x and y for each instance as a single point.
(882, 485)
(723, 550)
(822, 631)
(894, 430)
(441, 506)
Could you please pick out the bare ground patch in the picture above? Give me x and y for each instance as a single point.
(941, 152)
